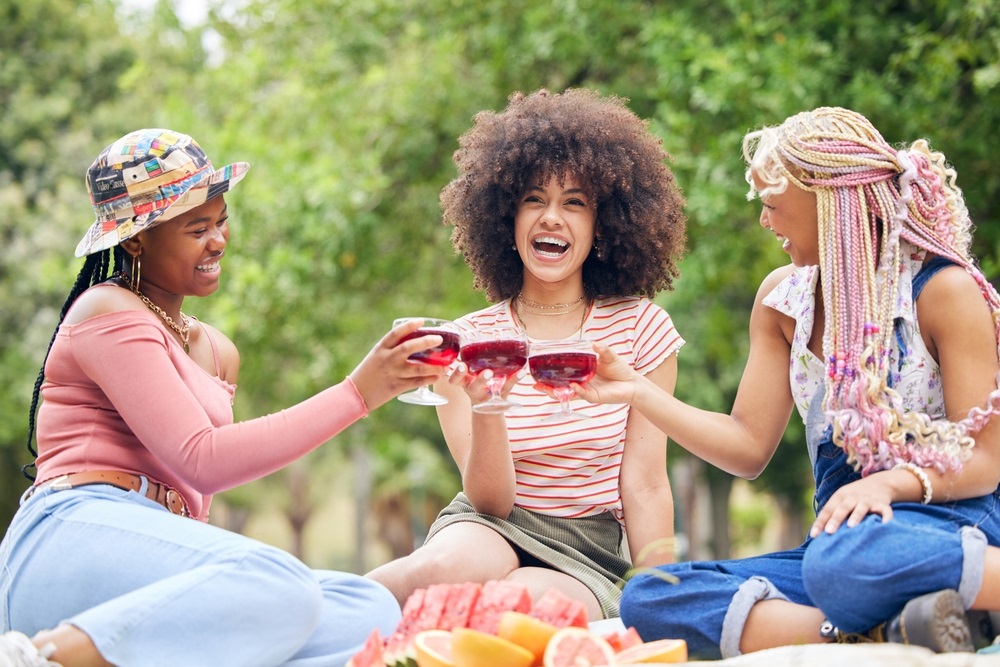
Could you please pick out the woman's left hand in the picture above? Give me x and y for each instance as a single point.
(853, 502)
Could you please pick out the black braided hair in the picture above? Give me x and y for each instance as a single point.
(94, 271)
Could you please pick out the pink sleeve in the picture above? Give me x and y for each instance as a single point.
(130, 362)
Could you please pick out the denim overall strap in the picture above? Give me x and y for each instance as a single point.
(926, 272)
(830, 467)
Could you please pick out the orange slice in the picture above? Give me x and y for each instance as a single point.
(527, 631)
(434, 648)
(659, 650)
(472, 648)
(578, 647)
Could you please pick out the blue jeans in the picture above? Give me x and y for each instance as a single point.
(153, 588)
(858, 577)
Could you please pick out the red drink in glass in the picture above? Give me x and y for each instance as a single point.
(443, 354)
(439, 355)
(503, 351)
(555, 364)
(503, 357)
(558, 369)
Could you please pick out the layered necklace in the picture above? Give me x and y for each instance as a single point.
(547, 309)
(533, 307)
(183, 330)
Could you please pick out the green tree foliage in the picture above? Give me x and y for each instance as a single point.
(350, 111)
(53, 103)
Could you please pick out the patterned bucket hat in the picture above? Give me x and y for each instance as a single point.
(148, 177)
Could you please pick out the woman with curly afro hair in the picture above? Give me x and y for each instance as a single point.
(570, 220)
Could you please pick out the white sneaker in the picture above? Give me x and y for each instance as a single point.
(16, 650)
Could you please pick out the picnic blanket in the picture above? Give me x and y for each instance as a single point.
(835, 655)
(854, 655)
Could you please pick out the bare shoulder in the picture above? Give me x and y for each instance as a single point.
(229, 354)
(102, 299)
(953, 280)
(952, 304)
(770, 324)
(772, 280)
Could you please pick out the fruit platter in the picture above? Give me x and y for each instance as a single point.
(498, 624)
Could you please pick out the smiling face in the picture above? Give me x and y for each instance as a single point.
(554, 230)
(791, 215)
(181, 257)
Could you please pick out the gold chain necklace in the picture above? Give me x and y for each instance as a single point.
(184, 331)
(517, 314)
(548, 309)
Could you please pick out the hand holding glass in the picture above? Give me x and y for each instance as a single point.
(440, 355)
(503, 350)
(555, 364)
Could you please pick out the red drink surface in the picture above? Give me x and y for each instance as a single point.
(558, 369)
(503, 357)
(443, 354)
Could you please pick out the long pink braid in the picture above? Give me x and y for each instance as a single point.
(871, 197)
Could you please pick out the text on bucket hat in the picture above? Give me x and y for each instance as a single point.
(148, 177)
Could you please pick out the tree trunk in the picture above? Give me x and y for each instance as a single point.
(360, 459)
(720, 485)
(300, 507)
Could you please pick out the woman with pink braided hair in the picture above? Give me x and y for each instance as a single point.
(883, 334)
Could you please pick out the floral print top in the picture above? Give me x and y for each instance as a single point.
(916, 376)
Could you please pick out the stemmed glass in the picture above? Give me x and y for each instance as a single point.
(441, 355)
(503, 350)
(555, 364)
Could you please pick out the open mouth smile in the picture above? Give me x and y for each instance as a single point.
(549, 246)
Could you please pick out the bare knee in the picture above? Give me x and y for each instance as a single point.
(459, 553)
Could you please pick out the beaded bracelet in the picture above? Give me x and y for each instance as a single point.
(925, 481)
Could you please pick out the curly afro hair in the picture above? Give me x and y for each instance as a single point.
(604, 147)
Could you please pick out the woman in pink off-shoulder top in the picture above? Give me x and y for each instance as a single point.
(110, 559)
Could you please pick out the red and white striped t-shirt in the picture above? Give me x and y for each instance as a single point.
(570, 469)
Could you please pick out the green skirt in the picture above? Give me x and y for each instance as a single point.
(588, 549)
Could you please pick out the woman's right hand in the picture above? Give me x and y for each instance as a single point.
(614, 382)
(386, 372)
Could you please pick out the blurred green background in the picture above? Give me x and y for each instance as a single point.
(350, 112)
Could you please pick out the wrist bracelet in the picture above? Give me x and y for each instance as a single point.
(925, 481)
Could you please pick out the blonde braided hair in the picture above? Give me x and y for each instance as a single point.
(870, 197)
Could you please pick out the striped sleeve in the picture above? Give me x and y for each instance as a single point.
(655, 337)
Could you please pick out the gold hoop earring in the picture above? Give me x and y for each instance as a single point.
(136, 272)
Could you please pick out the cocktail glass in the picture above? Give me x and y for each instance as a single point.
(503, 350)
(441, 355)
(555, 364)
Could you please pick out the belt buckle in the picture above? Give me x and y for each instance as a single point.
(60, 483)
(174, 502)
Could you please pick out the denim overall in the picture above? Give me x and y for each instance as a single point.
(858, 577)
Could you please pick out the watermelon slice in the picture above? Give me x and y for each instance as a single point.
(560, 610)
(370, 654)
(395, 645)
(495, 598)
(428, 618)
(430, 611)
(458, 608)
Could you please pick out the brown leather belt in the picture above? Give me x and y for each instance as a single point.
(160, 493)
